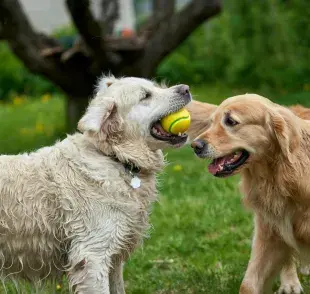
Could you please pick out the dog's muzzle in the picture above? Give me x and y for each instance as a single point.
(200, 147)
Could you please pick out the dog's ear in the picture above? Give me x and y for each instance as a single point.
(105, 82)
(285, 128)
(100, 117)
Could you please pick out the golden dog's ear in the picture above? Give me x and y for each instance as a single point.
(100, 117)
(284, 126)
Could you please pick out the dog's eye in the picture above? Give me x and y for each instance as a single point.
(230, 121)
(146, 95)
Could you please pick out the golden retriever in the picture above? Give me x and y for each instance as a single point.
(270, 147)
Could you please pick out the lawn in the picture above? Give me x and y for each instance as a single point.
(201, 235)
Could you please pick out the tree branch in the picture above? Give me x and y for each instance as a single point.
(27, 44)
(174, 30)
(109, 15)
(1, 31)
(18, 31)
(88, 27)
(163, 8)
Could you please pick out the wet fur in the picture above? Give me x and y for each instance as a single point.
(70, 208)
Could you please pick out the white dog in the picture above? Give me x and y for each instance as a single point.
(81, 206)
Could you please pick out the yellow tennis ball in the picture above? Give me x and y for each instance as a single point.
(177, 122)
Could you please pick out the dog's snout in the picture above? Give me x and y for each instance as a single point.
(183, 89)
(199, 146)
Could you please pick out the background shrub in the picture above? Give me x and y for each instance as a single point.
(15, 79)
(252, 43)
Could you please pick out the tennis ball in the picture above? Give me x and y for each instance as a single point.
(177, 122)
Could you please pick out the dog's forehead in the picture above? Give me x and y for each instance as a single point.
(137, 81)
(242, 104)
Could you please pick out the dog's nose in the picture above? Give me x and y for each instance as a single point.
(182, 89)
(198, 146)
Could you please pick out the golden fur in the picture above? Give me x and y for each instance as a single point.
(274, 181)
(201, 113)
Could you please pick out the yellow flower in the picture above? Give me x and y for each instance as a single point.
(49, 131)
(18, 100)
(46, 97)
(39, 127)
(25, 131)
(178, 167)
(306, 87)
(58, 287)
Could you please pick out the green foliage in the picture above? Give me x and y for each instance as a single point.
(66, 30)
(253, 43)
(16, 79)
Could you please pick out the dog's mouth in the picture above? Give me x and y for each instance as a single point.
(159, 133)
(226, 165)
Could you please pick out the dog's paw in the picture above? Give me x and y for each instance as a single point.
(305, 270)
(290, 289)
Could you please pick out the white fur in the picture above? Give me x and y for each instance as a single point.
(70, 207)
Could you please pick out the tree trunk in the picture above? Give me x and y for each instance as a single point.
(75, 70)
(75, 108)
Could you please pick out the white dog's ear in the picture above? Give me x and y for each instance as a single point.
(104, 83)
(285, 129)
(98, 112)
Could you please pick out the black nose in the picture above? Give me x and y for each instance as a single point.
(199, 146)
(183, 90)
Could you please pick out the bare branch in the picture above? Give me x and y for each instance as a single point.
(28, 45)
(109, 14)
(1, 31)
(18, 31)
(174, 30)
(162, 8)
(87, 26)
(13, 20)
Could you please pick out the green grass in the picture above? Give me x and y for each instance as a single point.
(30, 124)
(201, 235)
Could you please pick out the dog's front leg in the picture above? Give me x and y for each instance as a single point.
(269, 254)
(90, 275)
(116, 276)
(91, 252)
(289, 279)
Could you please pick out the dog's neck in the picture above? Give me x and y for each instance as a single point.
(138, 155)
(133, 154)
(270, 185)
(129, 166)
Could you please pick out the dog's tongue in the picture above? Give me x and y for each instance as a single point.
(217, 164)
